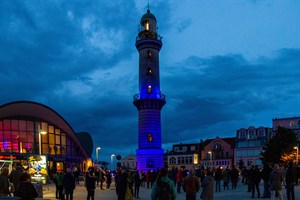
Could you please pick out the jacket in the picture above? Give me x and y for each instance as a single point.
(69, 181)
(291, 176)
(26, 191)
(276, 179)
(191, 185)
(4, 185)
(208, 188)
(90, 183)
(155, 188)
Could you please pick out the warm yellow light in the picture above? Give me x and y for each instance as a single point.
(195, 159)
(147, 26)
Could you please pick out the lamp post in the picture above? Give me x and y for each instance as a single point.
(297, 154)
(41, 132)
(111, 161)
(97, 149)
(210, 158)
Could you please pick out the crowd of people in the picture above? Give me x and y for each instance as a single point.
(17, 184)
(165, 184)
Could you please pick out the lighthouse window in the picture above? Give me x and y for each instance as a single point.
(149, 89)
(150, 137)
(149, 53)
(147, 26)
(149, 71)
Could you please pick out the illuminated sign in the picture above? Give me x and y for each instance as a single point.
(7, 157)
(38, 168)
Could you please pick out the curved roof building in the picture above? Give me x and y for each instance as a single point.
(28, 128)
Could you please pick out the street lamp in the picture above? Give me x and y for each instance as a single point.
(297, 154)
(41, 132)
(111, 161)
(97, 149)
(210, 158)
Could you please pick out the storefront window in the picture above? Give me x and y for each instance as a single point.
(14, 125)
(6, 125)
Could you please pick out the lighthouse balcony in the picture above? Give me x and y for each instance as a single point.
(148, 35)
(149, 96)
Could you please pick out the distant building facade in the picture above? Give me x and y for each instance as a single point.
(292, 123)
(184, 156)
(249, 145)
(129, 162)
(218, 152)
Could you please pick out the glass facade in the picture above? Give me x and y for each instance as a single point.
(22, 136)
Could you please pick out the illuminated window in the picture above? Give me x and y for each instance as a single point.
(149, 71)
(292, 123)
(149, 89)
(147, 26)
(150, 137)
(149, 53)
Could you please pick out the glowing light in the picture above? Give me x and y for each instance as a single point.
(147, 26)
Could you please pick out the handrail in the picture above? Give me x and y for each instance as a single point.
(137, 97)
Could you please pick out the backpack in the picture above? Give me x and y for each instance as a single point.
(163, 191)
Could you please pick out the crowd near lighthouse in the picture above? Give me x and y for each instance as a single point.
(150, 100)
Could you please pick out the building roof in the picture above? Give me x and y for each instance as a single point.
(148, 15)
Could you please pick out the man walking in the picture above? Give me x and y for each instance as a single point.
(69, 184)
(191, 185)
(290, 179)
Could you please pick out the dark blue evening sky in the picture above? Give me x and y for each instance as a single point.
(224, 65)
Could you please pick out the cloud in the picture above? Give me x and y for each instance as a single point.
(223, 89)
(80, 59)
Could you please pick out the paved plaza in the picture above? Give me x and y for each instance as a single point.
(80, 193)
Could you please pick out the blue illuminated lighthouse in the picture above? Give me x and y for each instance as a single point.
(149, 102)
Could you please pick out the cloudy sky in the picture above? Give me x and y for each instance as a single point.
(225, 65)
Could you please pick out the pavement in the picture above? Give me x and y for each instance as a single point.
(80, 193)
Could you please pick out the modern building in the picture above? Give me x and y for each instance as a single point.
(150, 100)
(184, 156)
(31, 129)
(218, 152)
(249, 145)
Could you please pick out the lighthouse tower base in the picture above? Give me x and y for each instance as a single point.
(149, 159)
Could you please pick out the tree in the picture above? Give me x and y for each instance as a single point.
(279, 146)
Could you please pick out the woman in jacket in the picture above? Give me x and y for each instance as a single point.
(208, 186)
(276, 179)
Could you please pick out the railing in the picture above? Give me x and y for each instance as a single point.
(149, 35)
(137, 97)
